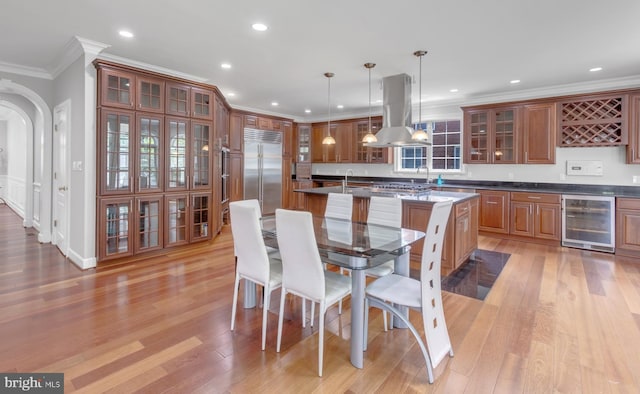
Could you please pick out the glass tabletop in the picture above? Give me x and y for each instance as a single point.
(353, 245)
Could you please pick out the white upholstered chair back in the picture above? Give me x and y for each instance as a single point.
(339, 206)
(385, 211)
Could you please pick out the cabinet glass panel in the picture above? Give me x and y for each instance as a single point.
(201, 162)
(177, 219)
(363, 153)
(150, 95)
(117, 228)
(149, 151)
(201, 104)
(117, 172)
(504, 136)
(149, 220)
(178, 100)
(177, 153)
(304, 143)
(119, 89)
(479, 140)
(200, 216)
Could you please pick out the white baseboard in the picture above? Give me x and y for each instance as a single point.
(82, 263)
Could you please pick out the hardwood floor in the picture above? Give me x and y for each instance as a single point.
(556, 320)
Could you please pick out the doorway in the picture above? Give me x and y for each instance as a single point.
(60, 232)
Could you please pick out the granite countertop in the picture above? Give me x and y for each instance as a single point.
(558, 188)
(431, 196)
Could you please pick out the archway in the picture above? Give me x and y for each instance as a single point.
(42, 127)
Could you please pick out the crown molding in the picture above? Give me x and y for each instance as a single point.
(35, 72)
(150, 67)
(74, 48)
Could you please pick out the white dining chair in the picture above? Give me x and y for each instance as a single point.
(339, 206)
(384, 211)
(253, 262)
(424, 294)
(302, 272)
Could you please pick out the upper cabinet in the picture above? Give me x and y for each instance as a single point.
(178, 98)
(539, 133)
(287, 138)
(491, 135)
(222, 121)
(117, 88)
(633, 149)
(363, 154)
(150, 94)
(201, 103)
(302, 142)
(598, 120)
(340, 152)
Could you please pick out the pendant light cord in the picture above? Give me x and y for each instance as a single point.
(369, 99)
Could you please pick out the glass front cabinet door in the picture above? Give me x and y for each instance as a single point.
(177, 145)
(148, 223)
(149, 168)
(116, 150)
(201, 136)
(115, 227)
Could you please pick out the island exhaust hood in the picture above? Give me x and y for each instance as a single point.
(396, 128)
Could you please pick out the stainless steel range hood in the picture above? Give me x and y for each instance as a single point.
(396, 114)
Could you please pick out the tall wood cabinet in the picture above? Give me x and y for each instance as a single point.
(156, 143)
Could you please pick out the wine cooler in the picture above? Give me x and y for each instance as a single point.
(588, 222)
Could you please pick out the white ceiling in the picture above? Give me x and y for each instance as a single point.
(474, 46)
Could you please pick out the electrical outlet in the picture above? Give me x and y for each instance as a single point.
(510, 175)
(636, 179)
(563, 177)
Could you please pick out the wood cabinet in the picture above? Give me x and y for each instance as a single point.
(491, 135)
(363, 154)
(236, 132)
(237, 177)
(287, 183)
(297, 198)
(596, 120)
(535, 215)
(340, 152)
(494, 211)
(222, 122)
(633, 149)
(302, 143)
(155, 150)
(628, 227)
(461, 236)
(150, 94)
(539, 133)
(287, 139)
(360, 209)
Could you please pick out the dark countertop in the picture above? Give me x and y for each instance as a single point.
(431, 196)
(559, 188)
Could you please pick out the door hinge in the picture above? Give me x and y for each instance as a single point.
(55, 127)
(55, 223)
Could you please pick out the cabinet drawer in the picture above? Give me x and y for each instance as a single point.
(628, 203)
(462, 208)
(250, 121)
(536, 197)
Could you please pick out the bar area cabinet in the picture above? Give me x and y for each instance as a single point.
(155, 162)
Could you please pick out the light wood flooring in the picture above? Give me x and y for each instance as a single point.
(557, 320)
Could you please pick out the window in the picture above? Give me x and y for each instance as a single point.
(444, 155)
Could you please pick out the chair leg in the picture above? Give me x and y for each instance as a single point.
(280, 318)
(366, 324)
(266, 292)
(304, 312)
(384, 320)
(395, 312)
(235, 302)
(321, 336)
(313, 312)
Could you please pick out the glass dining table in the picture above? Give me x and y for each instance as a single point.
(356, 246)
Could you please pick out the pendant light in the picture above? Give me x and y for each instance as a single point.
(419, 134)
(369, 137)
(329, 140)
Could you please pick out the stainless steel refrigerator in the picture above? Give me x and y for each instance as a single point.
(263, 168)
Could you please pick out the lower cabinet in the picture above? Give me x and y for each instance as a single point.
(132, 225)
(535, 215)
(297, 198)
(317, 203)
(494, 211)
(461, 236)
(628, 227)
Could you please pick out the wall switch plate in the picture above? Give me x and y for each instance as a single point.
(76, 166)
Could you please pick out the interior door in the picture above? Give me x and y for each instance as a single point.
(60, 177)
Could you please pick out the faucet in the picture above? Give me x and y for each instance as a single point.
(345, 182)
(427, 168)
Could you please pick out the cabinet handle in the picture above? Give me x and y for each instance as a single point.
(492, 202)
(131, 184)
(534, 198)
(537, 209)
(526, 157)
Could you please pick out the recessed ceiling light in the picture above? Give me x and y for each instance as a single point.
(225, 65)
(453, 90)
(274, 103)
(340, 106)
(125, 34)
(231, 94)
(259, 26)
(307, 111)
(595, 69)
(515, 81)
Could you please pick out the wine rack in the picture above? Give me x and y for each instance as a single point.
(593, 121)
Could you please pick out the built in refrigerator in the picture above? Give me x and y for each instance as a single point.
(263, 168)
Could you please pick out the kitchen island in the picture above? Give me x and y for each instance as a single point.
(461, 237)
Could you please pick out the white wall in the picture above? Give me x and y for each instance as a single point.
(16, 162)
(77, 84)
